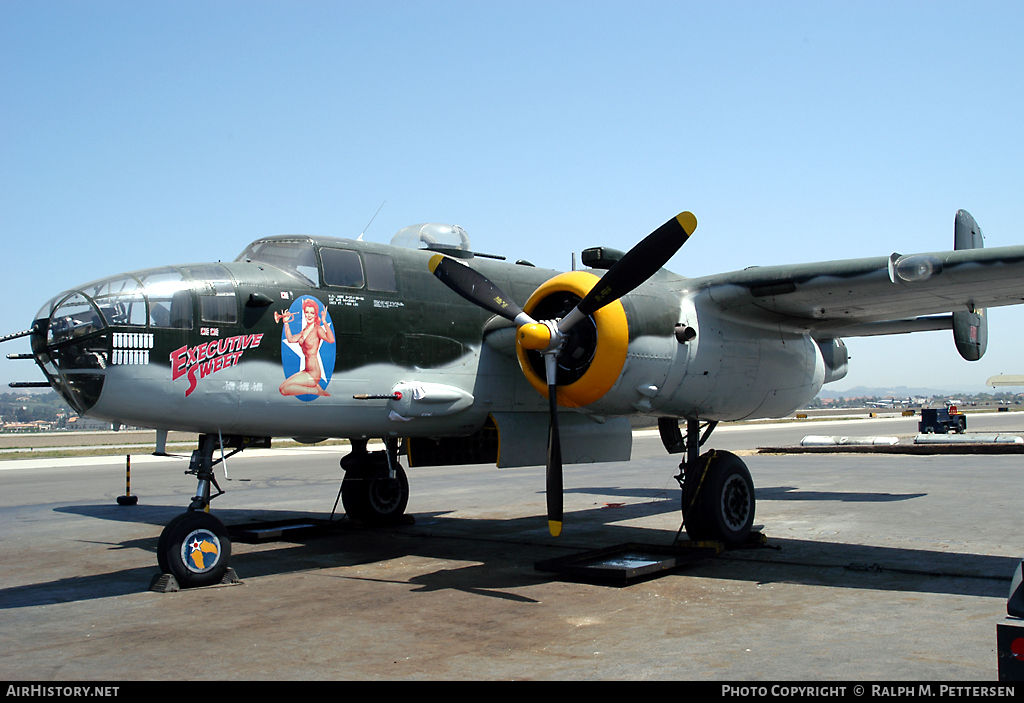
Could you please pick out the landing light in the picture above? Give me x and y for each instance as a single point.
(913, 269)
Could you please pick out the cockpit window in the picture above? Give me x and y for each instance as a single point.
(216, 293)
(120, 300)
(74, 317)
(432, 235)
(342, 268)
(380, 272)
(170, 300)
(294, 257)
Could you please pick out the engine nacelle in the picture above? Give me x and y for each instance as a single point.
(655, 352)
(733, 371)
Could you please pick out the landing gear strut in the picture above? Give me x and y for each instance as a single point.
(375, 490)
(718, 493)
(195, 547)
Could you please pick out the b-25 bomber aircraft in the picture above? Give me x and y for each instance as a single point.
(455, 357)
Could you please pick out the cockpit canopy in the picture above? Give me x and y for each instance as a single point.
(433, 236)
(293, 256)
(155, 297)
(296, 254)
(80, 333)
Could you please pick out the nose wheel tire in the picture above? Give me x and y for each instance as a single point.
(718, 499)
(375, 499)
(195, 548)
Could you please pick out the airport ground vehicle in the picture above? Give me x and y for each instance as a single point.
(942, 421)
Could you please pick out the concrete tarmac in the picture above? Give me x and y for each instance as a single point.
(881, 568)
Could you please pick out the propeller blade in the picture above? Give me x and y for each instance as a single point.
(554, 468)
(475, 287)
(640, 263)
(633, 269)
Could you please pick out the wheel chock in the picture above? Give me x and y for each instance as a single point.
(166, 583)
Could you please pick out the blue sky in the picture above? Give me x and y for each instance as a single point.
(136, 134)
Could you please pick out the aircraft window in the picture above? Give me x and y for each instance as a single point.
(44, 312)
(120, 300)
(296, 258)
(170, 302)
(431, 235)
(342, 268)
(216, 294)
(380, 272)
(75, 317)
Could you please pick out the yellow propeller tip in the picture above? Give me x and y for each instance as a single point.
(435, 261)
(688, 221)
(555, 527)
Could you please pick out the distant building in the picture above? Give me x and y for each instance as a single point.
(87, 423)
(19, 427)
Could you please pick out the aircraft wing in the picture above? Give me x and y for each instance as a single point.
(862, 297)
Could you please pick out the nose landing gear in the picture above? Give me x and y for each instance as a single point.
(195, 547)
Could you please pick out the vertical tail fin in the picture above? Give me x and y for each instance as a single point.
(970, 327)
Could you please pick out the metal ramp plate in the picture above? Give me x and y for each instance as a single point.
(296, 528)
(280, 530)
(624, 564)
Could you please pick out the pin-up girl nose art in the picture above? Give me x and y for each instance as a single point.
(307, 348)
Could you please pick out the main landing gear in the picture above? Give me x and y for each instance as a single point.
(718, 493)
(375, 490)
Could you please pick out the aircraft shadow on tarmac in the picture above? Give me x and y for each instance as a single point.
(774, 493)
(794, 493)
(505, 551)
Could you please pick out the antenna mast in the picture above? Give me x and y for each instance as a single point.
(371, 221)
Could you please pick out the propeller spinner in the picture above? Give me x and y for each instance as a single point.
(640, 263)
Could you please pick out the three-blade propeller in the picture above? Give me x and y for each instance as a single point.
(548, 336)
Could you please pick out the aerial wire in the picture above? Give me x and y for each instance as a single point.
(371, 221)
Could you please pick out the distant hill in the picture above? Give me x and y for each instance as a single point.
(902, 392)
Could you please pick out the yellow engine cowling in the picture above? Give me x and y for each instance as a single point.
(596, 348)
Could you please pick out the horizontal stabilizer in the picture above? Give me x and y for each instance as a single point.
(1005, 380)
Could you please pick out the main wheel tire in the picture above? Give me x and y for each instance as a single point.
(721, 506)
(195, 548)
(374, 500)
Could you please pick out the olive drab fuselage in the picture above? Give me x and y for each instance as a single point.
(204, 347)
